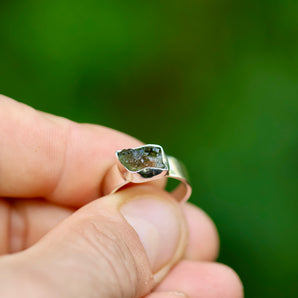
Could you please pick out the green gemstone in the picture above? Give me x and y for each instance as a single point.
(140, 158)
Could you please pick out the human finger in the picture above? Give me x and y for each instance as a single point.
(121, 245)
(42, 155)
(203, 279)
(203, 242)
(24, 222)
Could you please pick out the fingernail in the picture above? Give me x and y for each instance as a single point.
(157, 223)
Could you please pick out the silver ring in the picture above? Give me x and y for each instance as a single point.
(144, 164)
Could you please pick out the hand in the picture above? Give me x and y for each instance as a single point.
(58, 240)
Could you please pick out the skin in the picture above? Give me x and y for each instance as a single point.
(51, 172)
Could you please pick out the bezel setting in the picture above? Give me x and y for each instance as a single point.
(144, 163)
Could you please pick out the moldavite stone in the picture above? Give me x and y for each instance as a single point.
(140, 158)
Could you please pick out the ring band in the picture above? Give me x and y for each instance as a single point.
(144, 164)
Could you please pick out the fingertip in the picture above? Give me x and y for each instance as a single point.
(203, 241)
(204, 279)
(229, 280)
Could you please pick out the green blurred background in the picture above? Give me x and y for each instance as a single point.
(214, 82)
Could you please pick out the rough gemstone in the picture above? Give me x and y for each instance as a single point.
(140, 158)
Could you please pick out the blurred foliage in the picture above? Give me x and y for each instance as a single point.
(214, 82)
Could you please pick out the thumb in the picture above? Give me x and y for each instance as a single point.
(118, 246)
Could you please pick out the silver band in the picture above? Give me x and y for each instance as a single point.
(145, 164)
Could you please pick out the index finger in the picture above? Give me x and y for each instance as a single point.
(42, 155)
